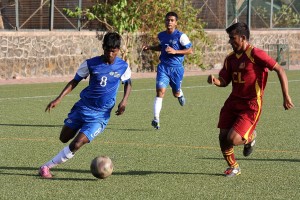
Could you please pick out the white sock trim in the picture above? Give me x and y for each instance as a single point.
(157, 107)
(64, 155)
(181, 93)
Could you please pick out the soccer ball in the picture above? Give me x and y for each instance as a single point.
(102, 167)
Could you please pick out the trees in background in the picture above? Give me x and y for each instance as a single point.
(145, 19)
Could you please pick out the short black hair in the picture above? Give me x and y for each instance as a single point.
(240, 28)
(112, 40)
(172, 14)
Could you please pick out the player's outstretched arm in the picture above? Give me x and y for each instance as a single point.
(153, 48)
(287, 101)
(68, 88)
(123, 103)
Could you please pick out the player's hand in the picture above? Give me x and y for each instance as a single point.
(211, 79)
(121, 109)
(51, 105)
(288, 104)
(145, 47)
(170, 50)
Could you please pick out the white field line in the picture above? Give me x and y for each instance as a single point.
(127, 143)
(189, 87)
(47, 96)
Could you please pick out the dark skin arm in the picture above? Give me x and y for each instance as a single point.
(287, 101)
(68, 88)
(123, 103)
(169, 50)
(153, 48)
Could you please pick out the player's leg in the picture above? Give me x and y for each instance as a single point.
(246, 125)
(235, 138)
(67, 134)
(176, 77)
(250, 141)
(70, 129)
(65, 154)
(228, 154)
(157, 106)
(162, 81)
(226, 120)
(87, 133)
(249, 146)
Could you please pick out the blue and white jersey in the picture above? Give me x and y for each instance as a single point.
(104, 81)
(178, 41)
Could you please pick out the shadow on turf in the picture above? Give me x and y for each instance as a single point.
(31, 125)
(144, 173)
(126, 173)
(253, 159)
(37, 176)
(54, 126)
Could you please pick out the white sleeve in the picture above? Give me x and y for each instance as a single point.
(83, 70)
(126, 75)
(184, 40)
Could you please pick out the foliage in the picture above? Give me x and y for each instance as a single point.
(121, 16)
(286, 17)
(146, 17)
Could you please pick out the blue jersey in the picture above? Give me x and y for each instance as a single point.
(178, 41)
(104, 81)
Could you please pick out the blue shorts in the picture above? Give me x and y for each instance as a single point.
(88, 121)
(169, 76)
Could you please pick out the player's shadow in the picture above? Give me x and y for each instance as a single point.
(259, 159)
(7, 171)
(4, 170)
(145, 173)
(131, 129)
(31, 125)
(116, 126)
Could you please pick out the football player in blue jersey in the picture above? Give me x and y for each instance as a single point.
(173, 45)
(90, 115)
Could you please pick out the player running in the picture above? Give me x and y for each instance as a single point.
(173, 45)
(247, 70)
(90, 115)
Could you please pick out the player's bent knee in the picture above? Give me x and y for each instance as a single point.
(76, 145)
(223, 134)
(63, 139)
(236, 140)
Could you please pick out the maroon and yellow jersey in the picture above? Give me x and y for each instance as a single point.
(248, 73)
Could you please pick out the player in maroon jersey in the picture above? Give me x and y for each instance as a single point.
(246, 68)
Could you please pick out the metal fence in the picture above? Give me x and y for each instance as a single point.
(217, 14)
(267, 14)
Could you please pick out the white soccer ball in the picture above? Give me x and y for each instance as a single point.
(102, 167)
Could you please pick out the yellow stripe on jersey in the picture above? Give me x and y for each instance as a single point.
(248, 53)
(259, 103)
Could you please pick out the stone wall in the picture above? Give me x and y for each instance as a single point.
(45, 53)
(59, 53)
(271, 41)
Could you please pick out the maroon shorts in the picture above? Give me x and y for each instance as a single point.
(241, 115)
